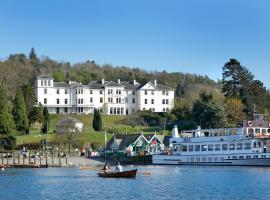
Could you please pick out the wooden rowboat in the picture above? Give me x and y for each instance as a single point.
(125, 174)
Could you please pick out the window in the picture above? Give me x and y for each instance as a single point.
(145, 101)
(66, 101)
(41, 83)
(133, 100)
(190, 148)
(66, 110)
(224, 147)
(49, 83)
(232, 146)
(239, 146)
(247, 145)
(167, 101)
(126, 100)
(81, 101)
(110, 99)
(65, 91)
(152, 101)
(152, 92)
(101, 100)
(45, 83)
(57, 91)
(100, 92)
(145, 92)
(164, 110)
(57, 101)
(184, 148)
(167, 93)
(111, 110)
(118, 100)
(210, 147)
(217, 147)
(204, 148)
(45, 91)
(91, 91)
(163, 101)
(45, 101)
(133, 92)
(197, 147)
(163, 92)
(91, 99)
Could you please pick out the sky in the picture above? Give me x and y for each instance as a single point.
(193, 36)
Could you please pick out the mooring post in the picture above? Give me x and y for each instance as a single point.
(46, 159)
(7, 158)
(19, 159)
(52, 160)
(29, 158)
(13, 156)
(23, 160)
(2, 158)
(66, 160)
(35, 158)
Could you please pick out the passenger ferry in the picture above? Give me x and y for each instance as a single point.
(246, 145)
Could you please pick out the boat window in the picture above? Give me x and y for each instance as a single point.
(190, 147)
(256, 156)
(224, 147)
(206, 134)
(254, 145)
(247, 145)
(248, 156)
(259, 144)
(263, 131)
(221, 159)
(216, 159)
(257, 130)
(210, 147)
(192, 159)
(250, 131)
(217, 147)
(198, 159)
(263, 156)
(204, 147)
(239, 146)
(184, 148)
(268, 130)
(232, 146)
(241, 157)
(209, 159)
(197, 147)
(204, 159)
(234, 157)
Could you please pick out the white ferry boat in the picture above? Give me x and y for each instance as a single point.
(247, 145)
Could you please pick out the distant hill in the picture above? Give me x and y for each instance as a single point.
(20, 69)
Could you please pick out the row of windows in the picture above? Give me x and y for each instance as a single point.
(116, 111)
(213, 147)
(153, 92)
(79, 101)
(45, 83)
(164, 101)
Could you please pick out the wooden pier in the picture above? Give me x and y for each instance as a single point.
(32, 160)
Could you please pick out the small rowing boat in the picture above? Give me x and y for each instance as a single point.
(124, 174)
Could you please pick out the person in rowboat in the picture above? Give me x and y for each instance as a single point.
(106, 168)
(118, 167)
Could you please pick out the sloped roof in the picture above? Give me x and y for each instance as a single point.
(68, 122)
(157, 86)
(45, 76)
(130, 86)
(61, 84)
(128, 139)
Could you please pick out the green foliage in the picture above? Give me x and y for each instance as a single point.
(19, 113)
(6, 121)
(59, 75)
(97, 121)
(207, 113)
(29, 98)
(36, 114)
(8, 142)
(238, 82)
(46, 120)
(32, 54)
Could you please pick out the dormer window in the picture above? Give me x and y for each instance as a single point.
(41, 82)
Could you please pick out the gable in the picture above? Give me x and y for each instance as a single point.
(148, 86)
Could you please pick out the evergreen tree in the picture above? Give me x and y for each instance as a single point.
(19, 112)
(29, 98)
(6, 121)
(46, 120)
(59, 75)
(207, 113)
(97, 121)
(36, 114)
(32, 54)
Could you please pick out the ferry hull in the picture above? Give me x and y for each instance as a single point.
(177, 160)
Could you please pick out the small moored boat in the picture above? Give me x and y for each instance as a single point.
(124, 174)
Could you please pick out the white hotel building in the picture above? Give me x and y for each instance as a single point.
(109, 97)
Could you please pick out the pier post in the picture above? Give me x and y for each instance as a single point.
(7, 159)
(13, 156)
(2, 158)
(29, 158)
(59, 158)
(35, 158)
(40, 161)
(19, 160)
(23, 160)
(66, 160)
(52, 160)
(46, 159)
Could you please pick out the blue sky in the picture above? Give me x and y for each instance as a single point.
(195, 36)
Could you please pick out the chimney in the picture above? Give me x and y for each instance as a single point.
(155, 82)
(118, 81)
(102, 81)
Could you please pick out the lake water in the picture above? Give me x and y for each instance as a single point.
(166, 182)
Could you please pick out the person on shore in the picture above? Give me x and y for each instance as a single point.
(118, 167)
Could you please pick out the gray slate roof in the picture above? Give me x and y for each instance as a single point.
(67, 121)
(45, 76)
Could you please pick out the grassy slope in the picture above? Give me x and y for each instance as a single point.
(110, 124)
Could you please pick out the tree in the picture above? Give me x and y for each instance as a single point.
(29, 98)
(207, 113)
(6, 121)
(234, 109)
(46, 120)
(59, 75)
(32, 54)
(19, 112)
(97, 121)
(36, 114)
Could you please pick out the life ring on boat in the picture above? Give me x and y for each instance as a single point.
(249, 123)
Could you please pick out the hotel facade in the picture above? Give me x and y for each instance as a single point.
(109, 97)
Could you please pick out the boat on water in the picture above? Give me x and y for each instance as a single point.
(246, 145)
(124, 174)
